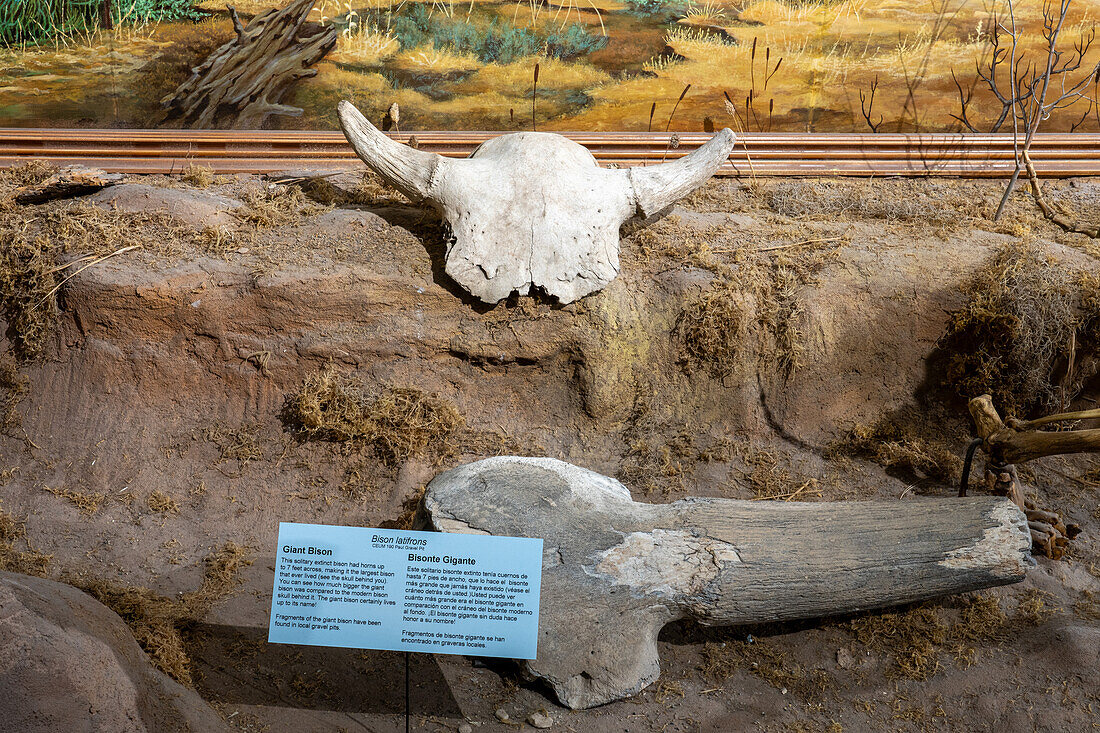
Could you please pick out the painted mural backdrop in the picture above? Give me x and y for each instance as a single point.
(779, 65)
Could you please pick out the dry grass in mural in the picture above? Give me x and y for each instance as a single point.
(159, 622)
(396, 422)
(1027, 320)
(791, 66)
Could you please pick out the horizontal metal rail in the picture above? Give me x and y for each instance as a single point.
(765, 154)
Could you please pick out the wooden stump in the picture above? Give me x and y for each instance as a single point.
(241, 84)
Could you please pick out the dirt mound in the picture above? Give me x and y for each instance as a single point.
(756, 345)
(71, 664)
(198, 209)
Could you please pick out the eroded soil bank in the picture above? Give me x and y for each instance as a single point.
(294, 352)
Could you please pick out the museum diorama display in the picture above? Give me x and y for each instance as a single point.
(626, 365)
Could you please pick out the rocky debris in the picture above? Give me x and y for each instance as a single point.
(70, 664)
(196, 208)
(616, 571)
(539, 719)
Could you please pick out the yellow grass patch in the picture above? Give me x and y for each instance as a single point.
(518, 76)
(365, 44)
(435, 60)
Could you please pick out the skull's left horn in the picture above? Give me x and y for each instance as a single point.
(657, 187)
(408, 170)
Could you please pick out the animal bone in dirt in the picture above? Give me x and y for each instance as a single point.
(532, 208)
(615, 571)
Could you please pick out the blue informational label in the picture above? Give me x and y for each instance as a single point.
(406, 591)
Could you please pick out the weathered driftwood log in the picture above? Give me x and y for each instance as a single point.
(70, 181)
(1015, 441)
(244, 81)
(615, 571)
(532, 209)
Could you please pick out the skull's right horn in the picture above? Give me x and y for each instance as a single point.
(410, 171)
(657, 187)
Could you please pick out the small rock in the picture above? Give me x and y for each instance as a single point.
(465, 728)
(539, 719)
(502, 715)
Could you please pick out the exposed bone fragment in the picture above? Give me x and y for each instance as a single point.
(615, 571)
(532, 209)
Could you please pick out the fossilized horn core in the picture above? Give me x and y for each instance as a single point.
(532, 208)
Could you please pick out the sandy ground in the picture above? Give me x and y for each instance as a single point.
(168, 370)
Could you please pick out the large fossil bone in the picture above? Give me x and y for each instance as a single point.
(615, 571)
(531, 208)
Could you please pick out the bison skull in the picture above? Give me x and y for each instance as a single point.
(532, 208)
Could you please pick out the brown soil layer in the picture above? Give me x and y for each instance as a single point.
(158, 425)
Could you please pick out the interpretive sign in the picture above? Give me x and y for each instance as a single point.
(406, 591)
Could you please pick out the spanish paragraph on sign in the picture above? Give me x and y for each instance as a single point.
(406, 591)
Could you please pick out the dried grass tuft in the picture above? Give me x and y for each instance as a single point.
(711, 329)
(914, 637)
(397, 422)
(371, 190)
(30, 173)
(276, 206)
(241, 444)
(159, 623)
(915, 201)
(653, 463)
(893, 444)
(87, 503)
(1024, 315)
(771, 478)
(765, 660)
(13, 389)
(161, 503)
(911, 637)
(766, 282)
(1033, 608)
(28, 561)
(358, 486)
(27, 275)
(197, 175)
